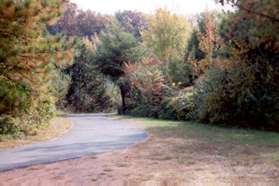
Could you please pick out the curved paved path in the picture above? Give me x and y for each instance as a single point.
(90, 134)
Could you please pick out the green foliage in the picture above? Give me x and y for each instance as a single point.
(114, 49)
(182, 105)
(60, 84)
(166, 35)
(179, 73)
(9, 125)
(87, 91)
(30, 60)
(14, 97)
(243, 91)
(234, 57)
(147, 88)
(193, 52)
(207, 96)
(231, 59)
(38, 116)
(239, 96)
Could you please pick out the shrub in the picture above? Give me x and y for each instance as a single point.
(147, 87)
(244, 94)
(86, 91)
(182, 105)
(179, 73)
(244, 90)
(9, 125)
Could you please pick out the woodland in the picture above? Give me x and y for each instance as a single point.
(218, 68)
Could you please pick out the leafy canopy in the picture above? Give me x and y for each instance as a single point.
(114, 49)
(167, 35)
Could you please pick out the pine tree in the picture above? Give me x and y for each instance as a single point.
(29, 61)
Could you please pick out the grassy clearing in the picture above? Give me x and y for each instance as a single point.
(240, 146)
(208, 132)
(189, 151)
(56, 128)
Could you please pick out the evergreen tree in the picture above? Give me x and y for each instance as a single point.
(29, 62)
(116, 48)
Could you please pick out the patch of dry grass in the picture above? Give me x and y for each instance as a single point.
(56, 127)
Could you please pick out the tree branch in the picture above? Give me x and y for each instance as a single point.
(237, 4)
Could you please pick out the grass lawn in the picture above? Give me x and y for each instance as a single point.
(206, 132)
(56, 127)
(215, 153)
(213, 133)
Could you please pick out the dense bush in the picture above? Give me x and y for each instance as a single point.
(9, 125)
(182, 104)
(240, 95)
(179, 73)
(147, 87)
(14, 97)
(243, 90)
(155, 78)
(87, 91)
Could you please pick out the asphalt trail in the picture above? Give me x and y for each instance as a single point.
(90, 134)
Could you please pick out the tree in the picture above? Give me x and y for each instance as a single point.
(242, 89)
(30, 59)
(87, 91)
(66, 22)
(249, 7)
(75, 22)
(205, 44)
(114, 49)
(132, 22)
(89, 23)
(193, 51)
(167, 35)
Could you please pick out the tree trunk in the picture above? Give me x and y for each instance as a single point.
(123, 95)
(123, 100)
